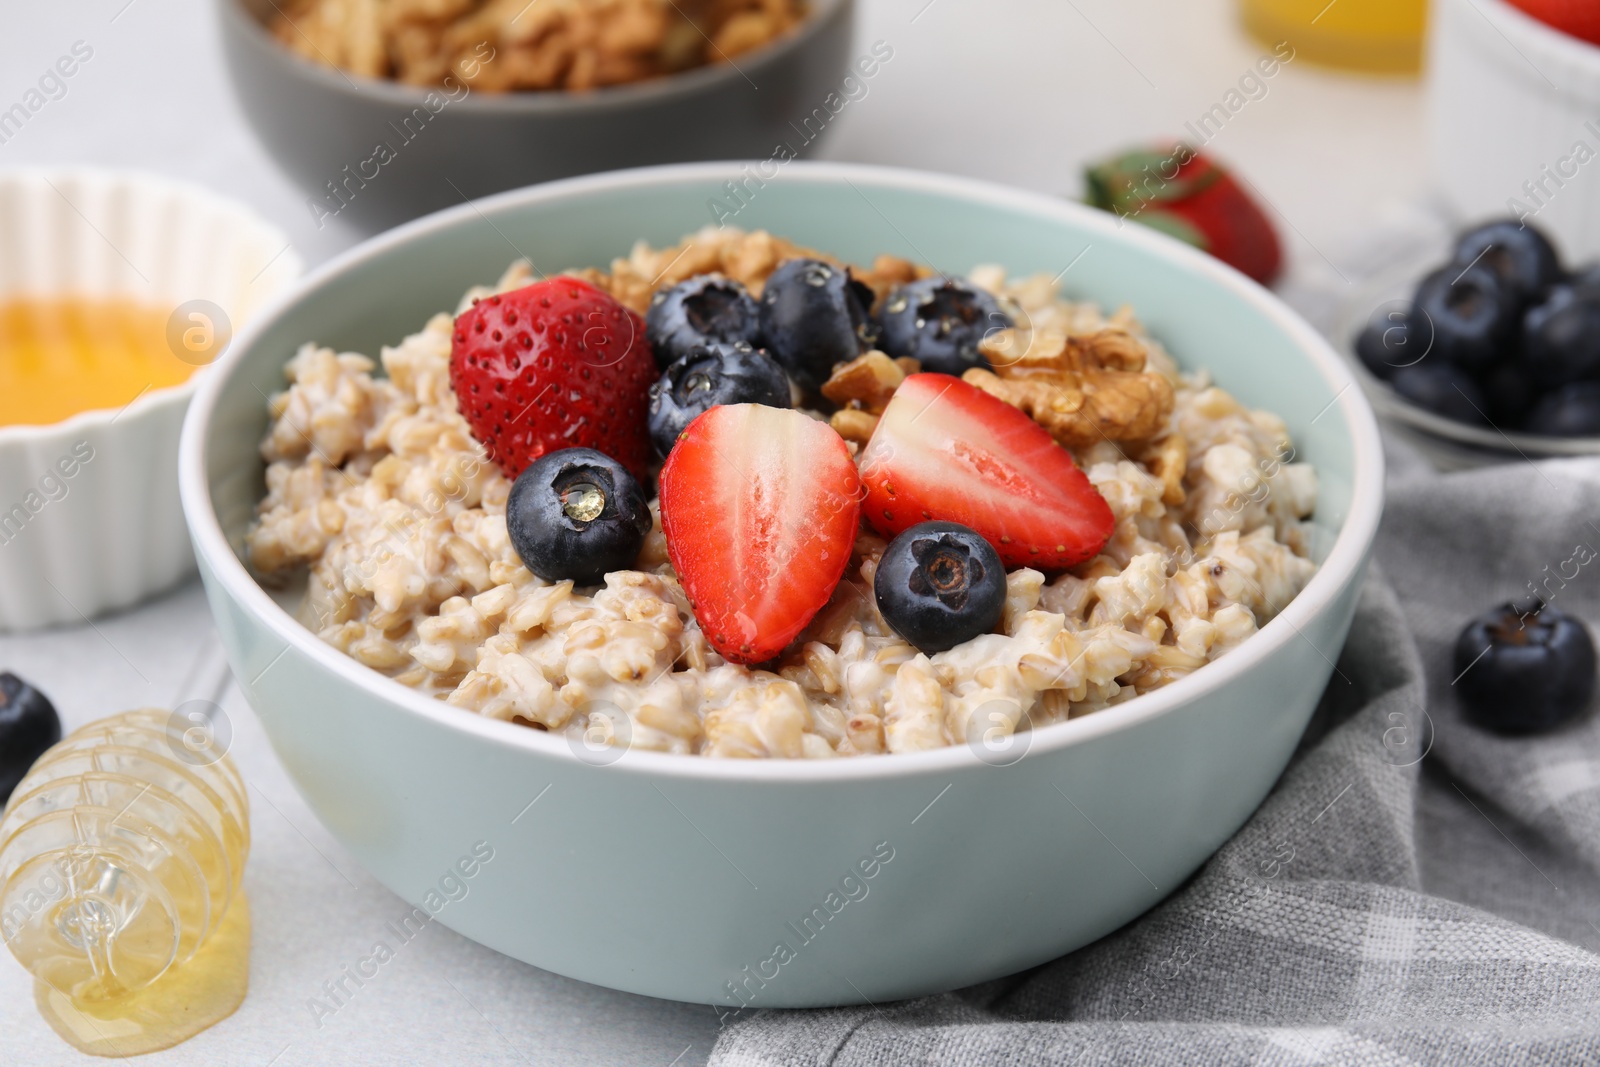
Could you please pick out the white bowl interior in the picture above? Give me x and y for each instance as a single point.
(100, 233)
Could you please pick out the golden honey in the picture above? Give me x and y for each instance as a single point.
(1381, 36)
(61, 356)
(121, 855)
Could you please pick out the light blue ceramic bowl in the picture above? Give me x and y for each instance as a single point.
(722, 881)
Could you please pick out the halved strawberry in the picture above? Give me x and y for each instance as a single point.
(948, 450)
(761, 507)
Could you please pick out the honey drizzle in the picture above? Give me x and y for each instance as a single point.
(121, 857)
(187, 999)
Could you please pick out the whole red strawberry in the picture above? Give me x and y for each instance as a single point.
(558, 364)
(1580, 18)
(1189, 196)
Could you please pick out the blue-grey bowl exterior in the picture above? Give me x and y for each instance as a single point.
(734, 882)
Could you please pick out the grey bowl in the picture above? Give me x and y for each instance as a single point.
(317, 122)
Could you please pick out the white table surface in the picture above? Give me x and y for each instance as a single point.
(1010, 90)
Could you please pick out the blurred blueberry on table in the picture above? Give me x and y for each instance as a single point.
(1518, 254)
(1470, 312)
(1571, 411)
(28, 725)
(1561, 336)
(940, 322)
(1442, 389)
(712, 374)
(706, 308)
(813, 315)
(1524, 668)
(577, 513)
(939, 584)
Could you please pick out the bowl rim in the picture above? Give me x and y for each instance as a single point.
(1342, 565)
(170, 396)
(386, 91)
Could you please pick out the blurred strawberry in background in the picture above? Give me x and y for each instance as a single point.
(1580, 18)
(1174, 189)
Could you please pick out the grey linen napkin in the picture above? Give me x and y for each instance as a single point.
(1338, 926)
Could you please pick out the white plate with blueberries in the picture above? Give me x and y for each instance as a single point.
(1485, 353)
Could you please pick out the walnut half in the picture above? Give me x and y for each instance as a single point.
(1082, 389)
(862, 389)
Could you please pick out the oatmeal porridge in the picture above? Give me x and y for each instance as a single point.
(380, 493)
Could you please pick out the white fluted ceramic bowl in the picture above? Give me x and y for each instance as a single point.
(1510, 100)
(89, 513)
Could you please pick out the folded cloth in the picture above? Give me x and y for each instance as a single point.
(1331, 929)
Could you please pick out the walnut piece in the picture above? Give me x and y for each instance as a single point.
(853, 424)
(888, 272)
(747, 258)
(862, 389)
(1082, 389)
(866, 382)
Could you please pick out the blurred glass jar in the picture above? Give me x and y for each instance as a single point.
(1382, 36)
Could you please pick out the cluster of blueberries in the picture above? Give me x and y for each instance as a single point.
(1501, 335)
(716, 344)
(579, 514)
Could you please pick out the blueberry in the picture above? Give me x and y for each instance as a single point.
(1519, 255)
(939, 322)
(1442, 389)
(1586, 279)
(939, 584)
(1524, 668)
(577, 514)
(1472, 316)
(1509, 396)
(1570, 411)
(1388, 344)
(709, 375)
(28, 726)
(707, 307)
(1561, 336)
(814, 315)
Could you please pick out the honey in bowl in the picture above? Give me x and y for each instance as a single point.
(63, 355)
